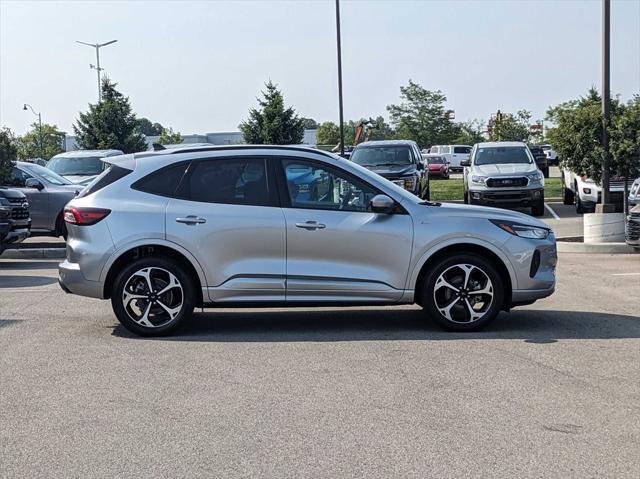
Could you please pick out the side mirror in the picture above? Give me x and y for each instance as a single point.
(465, 163)
(382, 204)
(420, 166)
(33, 183)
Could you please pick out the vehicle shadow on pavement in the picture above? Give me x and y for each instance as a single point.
(534, 326)
(12, 281)
(20, 265)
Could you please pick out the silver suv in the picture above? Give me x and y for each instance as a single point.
(503, 174)
(160, 233)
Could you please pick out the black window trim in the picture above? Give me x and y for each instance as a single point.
(283, 190)
(272, 189)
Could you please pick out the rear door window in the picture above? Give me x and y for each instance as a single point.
(234, 181)
(445, 149)
(464, 150)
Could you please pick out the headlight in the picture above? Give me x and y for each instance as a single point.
(524, 231)
(478, 179)
(537, 176)
(409, 183)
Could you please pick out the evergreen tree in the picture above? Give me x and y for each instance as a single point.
(271, 123)
(110, 123)
(8, 154)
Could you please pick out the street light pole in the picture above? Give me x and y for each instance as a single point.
(339, 46)
(40, 147)
(606, 207)
(97, 46)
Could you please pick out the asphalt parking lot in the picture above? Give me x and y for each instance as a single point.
(550, 390)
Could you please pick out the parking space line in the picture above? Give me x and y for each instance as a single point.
(550, 210)
(625, 274)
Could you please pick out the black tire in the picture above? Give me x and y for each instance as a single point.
(432, 300)
(61, 227)
(580, 208)
(465, 197)
(568, 197)
(161, 322)
(545, 172)
(538, 208)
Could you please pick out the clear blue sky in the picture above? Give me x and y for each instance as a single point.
(197, 66)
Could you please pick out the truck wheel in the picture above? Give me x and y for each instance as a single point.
(580, 209)
(568, 198)
(538, 208)
(153, 296)
(465, 198)
(463, 292)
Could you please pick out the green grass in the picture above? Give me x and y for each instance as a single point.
(448, 190)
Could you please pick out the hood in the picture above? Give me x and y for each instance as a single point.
(436, 166)
(391, 171)
(79, 178)
(505, 169)
(467, 211)
(8, 193)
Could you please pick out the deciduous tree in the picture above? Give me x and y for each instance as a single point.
(29, 143)
(8, 154)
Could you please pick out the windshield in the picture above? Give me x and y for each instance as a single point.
(501, 155)
(87, 165)
(382, 156)
(435, 160)
(50, 176)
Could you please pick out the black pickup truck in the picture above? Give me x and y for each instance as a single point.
(15, 219)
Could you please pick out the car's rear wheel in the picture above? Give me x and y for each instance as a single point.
(463, 292)
(568, 197)
(153, 296)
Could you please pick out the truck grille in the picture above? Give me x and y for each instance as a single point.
(619, 183)
(507, 182)
(18, 211)
(633, 227)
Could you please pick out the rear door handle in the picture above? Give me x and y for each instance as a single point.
(311, 225)
(191, 220)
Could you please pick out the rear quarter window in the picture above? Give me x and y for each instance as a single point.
(163, 182)
(108, 176)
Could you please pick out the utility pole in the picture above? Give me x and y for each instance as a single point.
(96, 67)
(40, 146)
(339, 45)
(606, 206)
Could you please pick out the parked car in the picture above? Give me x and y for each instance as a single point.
(234, 225)
(455, 154)
(552, 156)
(633, 227)
(399, 161)
(437, 166)
(15, 222)
(503, 174)
(585, 193)
(47, 193)
(634, 194)
(541, 159)
(81, 166)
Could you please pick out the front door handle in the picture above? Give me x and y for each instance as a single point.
(191, 220)
(311, 225)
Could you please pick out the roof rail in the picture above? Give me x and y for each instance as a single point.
(174, 151)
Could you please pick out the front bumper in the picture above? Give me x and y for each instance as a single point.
(507, 198)
(72, 281)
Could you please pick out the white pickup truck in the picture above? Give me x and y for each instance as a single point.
(585, 193)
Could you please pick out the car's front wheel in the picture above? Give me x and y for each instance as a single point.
(152, 296)
(463, 292)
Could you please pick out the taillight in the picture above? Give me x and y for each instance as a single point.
(84, 216)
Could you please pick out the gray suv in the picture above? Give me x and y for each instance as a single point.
(503, 174)
(160, 233)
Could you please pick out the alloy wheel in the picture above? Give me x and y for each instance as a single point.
(463, 293)
(152, 297)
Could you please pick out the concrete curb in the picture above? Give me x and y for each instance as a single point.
(34, 253)
(594, 248)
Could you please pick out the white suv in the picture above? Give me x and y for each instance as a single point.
(454, 154)
(503, 174)
(586, 193)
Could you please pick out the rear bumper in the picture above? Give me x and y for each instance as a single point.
(72, 281)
